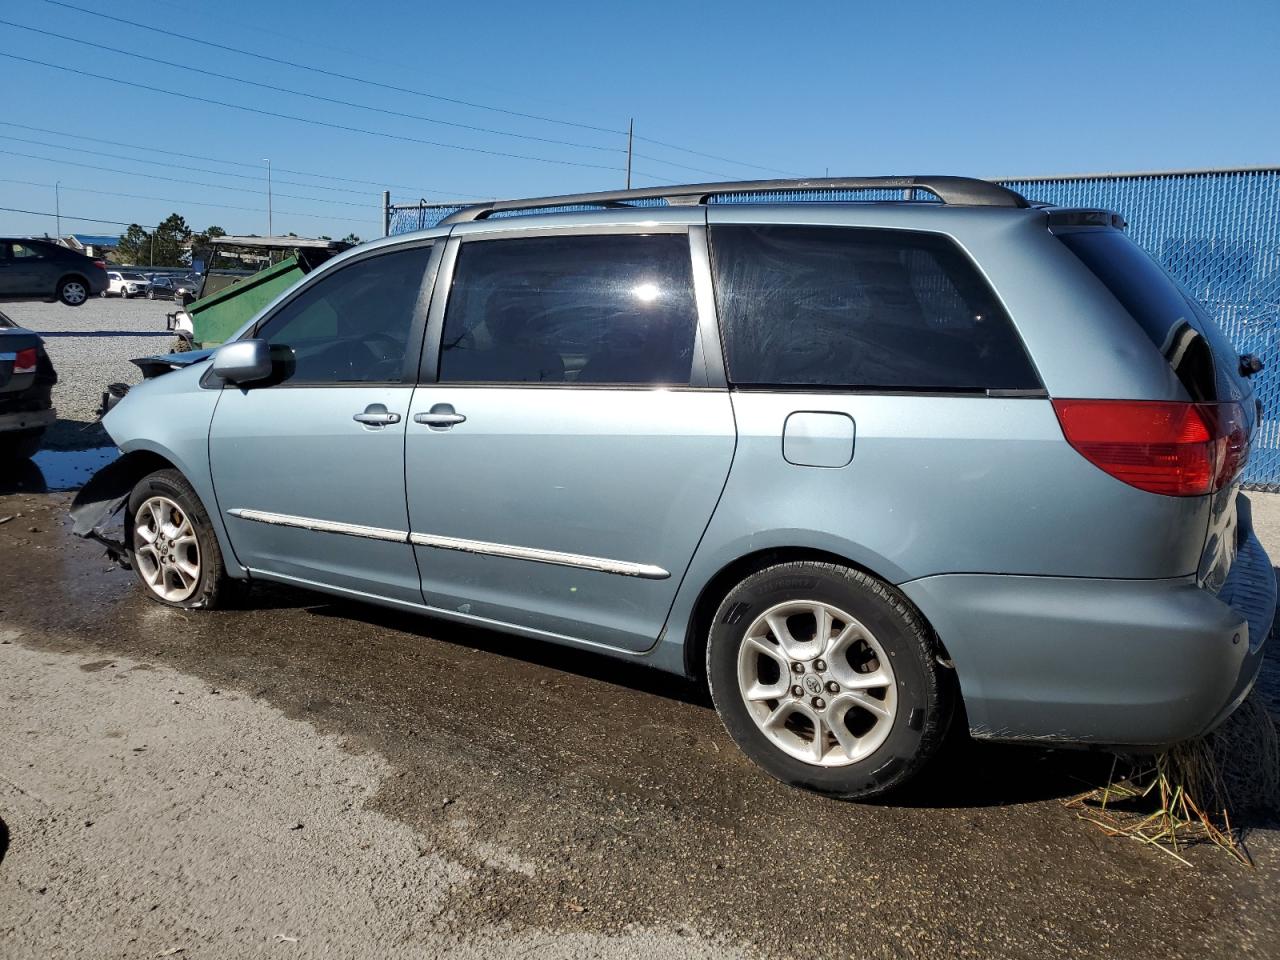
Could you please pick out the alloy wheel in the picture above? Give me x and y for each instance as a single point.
(166, 549)
(817, 683)
(74, 292)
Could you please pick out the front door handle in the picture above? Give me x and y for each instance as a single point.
(376, 415)
(441, 416)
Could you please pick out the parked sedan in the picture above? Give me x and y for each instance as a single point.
(26, 391)
(43, 270)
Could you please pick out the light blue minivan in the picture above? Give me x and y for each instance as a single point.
(866, 467)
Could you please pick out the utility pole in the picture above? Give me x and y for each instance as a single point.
(57, 206)
(270, 228)
(631, 132)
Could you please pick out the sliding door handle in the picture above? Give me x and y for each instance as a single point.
(441, 416)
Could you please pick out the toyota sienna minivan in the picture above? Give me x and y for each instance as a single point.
(864, 467)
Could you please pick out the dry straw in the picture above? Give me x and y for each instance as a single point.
(1204, 791)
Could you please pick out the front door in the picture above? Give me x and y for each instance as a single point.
(563, 468)
(308, 468)
(23, 267)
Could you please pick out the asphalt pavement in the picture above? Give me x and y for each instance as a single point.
(311, 778)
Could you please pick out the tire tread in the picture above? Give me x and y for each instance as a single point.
(938, 692)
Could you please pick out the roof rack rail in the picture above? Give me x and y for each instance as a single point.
(964, 191)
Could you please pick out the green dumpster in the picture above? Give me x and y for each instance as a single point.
(231, 296)
(217, 317)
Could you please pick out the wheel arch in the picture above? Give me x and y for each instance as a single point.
(107, 491)
(718, 586)
(73, 275)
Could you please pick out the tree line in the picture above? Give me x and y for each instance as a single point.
(173, 243)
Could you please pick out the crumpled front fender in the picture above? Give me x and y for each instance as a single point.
(101, 499)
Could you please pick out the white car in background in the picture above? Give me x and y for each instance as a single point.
(125, 284)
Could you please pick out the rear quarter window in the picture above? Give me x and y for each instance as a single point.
(861, 309)
(1190, 340)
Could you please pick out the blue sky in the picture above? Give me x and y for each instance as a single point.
(987, 89)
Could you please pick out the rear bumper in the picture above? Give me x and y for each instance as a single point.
(27, 420)
(1136, 663)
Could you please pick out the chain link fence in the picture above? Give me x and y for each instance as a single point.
(1216, 231)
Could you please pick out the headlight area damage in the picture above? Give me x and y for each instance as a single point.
(98, 501)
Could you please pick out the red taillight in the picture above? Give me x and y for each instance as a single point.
(25, 361)
(100, 264)
(1178, 449)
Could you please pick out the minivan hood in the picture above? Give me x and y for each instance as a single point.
(162, 363)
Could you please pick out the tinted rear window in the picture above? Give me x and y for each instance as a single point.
(1180, 329)
(859, 308)
(578, 309)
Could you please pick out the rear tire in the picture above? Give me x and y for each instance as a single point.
(73, 291)
(20, 444)
(172, 547)
(868, 705)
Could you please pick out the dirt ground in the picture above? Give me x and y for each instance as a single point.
(311, 778)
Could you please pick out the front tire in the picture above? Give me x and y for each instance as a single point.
(73, 292)
(172, 546)
(828, 679)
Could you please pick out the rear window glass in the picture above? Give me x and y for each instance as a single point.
(1187, 336)
(859, 308)
(579, 309)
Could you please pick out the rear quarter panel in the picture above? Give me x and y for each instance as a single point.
(962, 484)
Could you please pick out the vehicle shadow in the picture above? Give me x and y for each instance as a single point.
(4, 839)
(965, 774)
(25, 476)
(584, 663)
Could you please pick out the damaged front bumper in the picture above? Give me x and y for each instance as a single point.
(97, 503)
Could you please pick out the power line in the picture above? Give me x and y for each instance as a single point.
(311, 96)
(196, 203)
(387, 86)
(174, 166)
(319, 123)
(331, 73)
(382, 59)
(712, 156)
(66, 216)
(156, 176)
(358, 106)
(381, 185)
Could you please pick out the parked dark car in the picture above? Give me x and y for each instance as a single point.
(162, 288)
(26, 391)
(43, 270)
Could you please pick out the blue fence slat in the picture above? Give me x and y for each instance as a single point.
(1217, 232)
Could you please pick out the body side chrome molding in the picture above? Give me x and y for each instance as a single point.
(321, 526)
(623, 568)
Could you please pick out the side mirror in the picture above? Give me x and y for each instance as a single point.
(243, 361)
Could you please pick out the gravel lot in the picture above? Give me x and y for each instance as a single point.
(91, 347)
